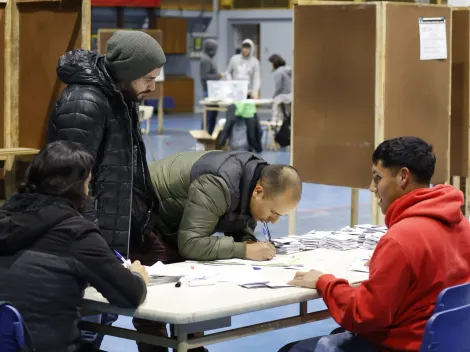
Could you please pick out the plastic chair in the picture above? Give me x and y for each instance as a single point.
(448, 331)
(453, 297)
(12, 338)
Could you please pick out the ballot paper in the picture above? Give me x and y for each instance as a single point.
(359, 265)
(278, 261)
(160, 269)
(372, 239)
(287, 245)
(341, 241)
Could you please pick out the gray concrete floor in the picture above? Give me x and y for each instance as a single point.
(321, 208)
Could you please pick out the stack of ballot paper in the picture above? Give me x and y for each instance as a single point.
(341, 242)
(355, 231)
(287, 245)
(372, 239)
(314, 239)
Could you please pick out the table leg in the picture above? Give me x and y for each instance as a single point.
(204, 119)
(182, 340)
(160, 115)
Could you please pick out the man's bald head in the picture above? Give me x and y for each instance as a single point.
(277, 179)
(277, 193)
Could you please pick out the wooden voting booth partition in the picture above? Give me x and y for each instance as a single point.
(2, 68)
(359, 80)
(104, 34)
(36, 34)
(460, 113)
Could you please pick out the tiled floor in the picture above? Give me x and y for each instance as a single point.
(321, 207)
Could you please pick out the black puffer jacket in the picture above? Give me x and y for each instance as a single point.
(48, 254)
(93, 112)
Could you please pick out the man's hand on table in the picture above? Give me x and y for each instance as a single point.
(306, 279)
(138, 268)
(260, 251)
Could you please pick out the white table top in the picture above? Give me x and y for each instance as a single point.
(230, 102)
(184, 305)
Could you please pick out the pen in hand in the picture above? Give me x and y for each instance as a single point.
(266, 233)
(121, 258)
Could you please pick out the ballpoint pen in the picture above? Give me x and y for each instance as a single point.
(266, 232)
(121, 258)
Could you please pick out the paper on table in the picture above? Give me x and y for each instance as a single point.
(160, 269)
(432, 38)
(244, 277)
(278, 261)
(358, 265)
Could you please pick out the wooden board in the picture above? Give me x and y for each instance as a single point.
(417, 93)
(47, 31)
(104, 34)
(460, 114)
(334, 84)
(2, 68)
(357, 80)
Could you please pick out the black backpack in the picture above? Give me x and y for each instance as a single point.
(282, 136)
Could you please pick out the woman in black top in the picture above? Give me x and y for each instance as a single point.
(49, 251)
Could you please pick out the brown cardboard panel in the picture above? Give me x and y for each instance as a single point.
(460, 114)
(2, 68)
(47, 31)
(417, 92)
(334, 93)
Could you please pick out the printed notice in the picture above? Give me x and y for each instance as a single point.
(432, 38)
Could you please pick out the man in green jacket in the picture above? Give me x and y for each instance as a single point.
(201, 193)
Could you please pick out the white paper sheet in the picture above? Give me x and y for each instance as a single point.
(432, 38)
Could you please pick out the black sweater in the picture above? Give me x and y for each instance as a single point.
(48, 254)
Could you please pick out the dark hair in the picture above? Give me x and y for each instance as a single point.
(410, 152)
(277, 61)
(277, 179)
(60, 169)
(246, 45)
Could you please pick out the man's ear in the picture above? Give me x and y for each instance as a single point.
(258, 189)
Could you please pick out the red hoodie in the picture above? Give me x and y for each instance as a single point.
(426, 249)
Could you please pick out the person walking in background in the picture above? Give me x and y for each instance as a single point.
(282, 75)
(208, 72)
(99, 109)
(282, 97)
(245, 67)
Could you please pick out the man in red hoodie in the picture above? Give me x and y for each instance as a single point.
(426, 249)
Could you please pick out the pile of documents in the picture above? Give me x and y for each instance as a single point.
(313, 239)
(372, 239)
(341, 241)
(288, 245)
(360, 236)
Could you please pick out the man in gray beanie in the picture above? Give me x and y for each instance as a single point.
(99, 109)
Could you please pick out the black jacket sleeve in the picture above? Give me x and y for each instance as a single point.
(98, 265)
(79, 116)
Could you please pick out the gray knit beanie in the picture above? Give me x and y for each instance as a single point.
(132, 54)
